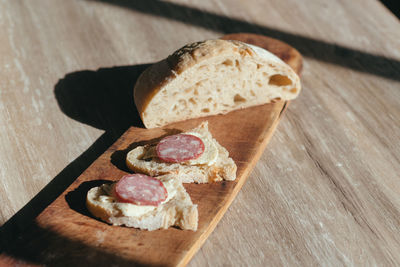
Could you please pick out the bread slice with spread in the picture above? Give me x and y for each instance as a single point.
(212, 77)
(177, 209)
(214, 163)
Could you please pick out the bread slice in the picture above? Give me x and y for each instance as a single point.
(178, 210)
(212, 77)
(142, 159)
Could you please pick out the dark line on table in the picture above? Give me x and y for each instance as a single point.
(309, 47)
(393, 6)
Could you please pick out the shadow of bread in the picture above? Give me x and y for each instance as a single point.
(102, 99)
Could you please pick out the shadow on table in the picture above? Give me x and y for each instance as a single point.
(393, 6)
(44, 247)
(309, 47)
(102, 99)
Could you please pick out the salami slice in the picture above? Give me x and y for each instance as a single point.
(180, 148)
(140, 189)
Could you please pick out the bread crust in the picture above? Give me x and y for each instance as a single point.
(150, 82)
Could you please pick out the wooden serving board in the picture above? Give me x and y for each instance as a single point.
(66, 234)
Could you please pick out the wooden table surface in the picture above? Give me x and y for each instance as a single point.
(326, 190)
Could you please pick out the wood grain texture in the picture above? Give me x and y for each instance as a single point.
(325, 192)
(68, 218)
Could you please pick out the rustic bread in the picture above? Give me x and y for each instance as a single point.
(178, 210)
(212, 77)
(143, 159)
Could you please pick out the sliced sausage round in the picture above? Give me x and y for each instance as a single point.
(140, 189)
(180, 148)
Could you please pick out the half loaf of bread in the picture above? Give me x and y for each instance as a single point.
(212, 77)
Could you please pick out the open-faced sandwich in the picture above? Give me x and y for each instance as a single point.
(194, 156)
(141, 201)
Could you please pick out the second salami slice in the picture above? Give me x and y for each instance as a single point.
(140, 189)
(180, 148)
